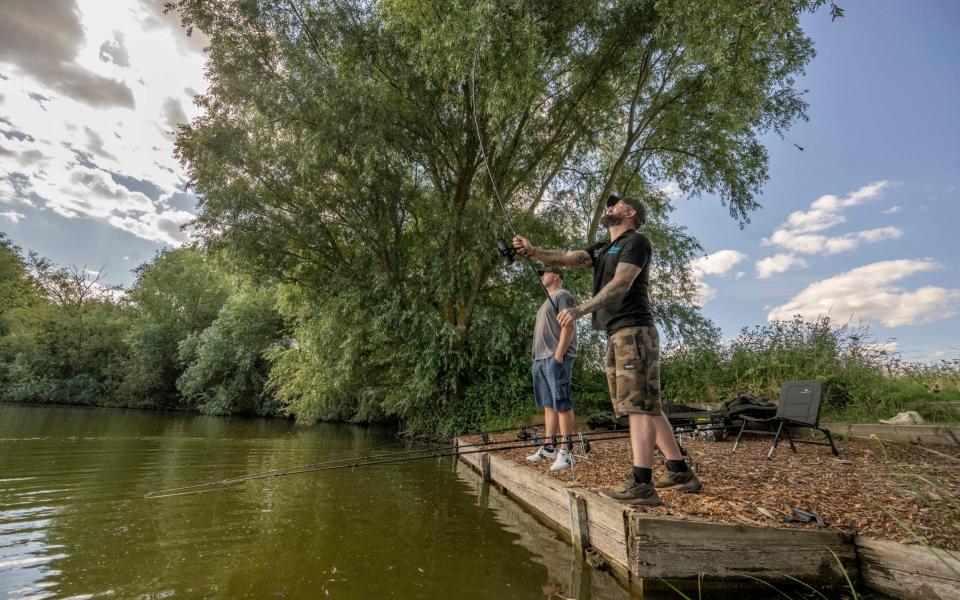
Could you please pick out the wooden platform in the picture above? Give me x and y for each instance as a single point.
(645, 550)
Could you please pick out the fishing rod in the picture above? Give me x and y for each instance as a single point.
(585, 442)
(520, 428)
(508, 252)
(429, 452)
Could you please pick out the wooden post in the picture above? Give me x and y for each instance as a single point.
(485, 466)
(579, 523)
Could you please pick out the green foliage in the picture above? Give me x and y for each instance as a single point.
(65, 354)
(227, 369)
(177, 295)
(343, 147)
(17, 288)
(78, 342)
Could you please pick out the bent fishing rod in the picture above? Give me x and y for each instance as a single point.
(508, 252)
(584, 440)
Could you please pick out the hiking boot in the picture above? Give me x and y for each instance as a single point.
(564, 461)
(686, 481)
(542, 454)
(631, 492)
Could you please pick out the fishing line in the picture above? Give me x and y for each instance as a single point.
(429, 452)
(486, 165)
(369, 461)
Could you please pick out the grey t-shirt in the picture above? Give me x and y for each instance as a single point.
(546, 333)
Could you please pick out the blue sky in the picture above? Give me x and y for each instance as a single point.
(859, 225)
(884, 94)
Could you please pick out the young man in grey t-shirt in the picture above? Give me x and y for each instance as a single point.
(554, 350)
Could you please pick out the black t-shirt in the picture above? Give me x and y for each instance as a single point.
(633, 310)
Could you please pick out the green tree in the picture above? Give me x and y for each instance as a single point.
(17, 288)
(227, 368)
(343, 147)
(176, 295)
(67, 346)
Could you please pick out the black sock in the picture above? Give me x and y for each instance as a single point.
(642, 475)
(677, 466)
(569, 443)
(553, 440)
(548, 447)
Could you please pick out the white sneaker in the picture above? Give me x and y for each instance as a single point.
(542, 454)
(564, 461)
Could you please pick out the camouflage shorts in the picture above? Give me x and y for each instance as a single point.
(633, 370)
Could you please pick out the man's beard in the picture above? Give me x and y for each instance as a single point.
(609, 220)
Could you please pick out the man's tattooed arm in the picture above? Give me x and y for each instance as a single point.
(561, 258)
(616, 289)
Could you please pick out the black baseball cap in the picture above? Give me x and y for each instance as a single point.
(634, 203)
(540, 272)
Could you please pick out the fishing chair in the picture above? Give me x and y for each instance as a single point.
(799, 407)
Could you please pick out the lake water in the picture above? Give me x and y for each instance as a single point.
(74, 522)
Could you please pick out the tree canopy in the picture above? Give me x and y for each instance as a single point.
(353, 152)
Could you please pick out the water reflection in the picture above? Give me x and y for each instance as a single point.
(74, 522)
(567, 576)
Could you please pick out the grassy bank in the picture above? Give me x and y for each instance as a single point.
(865, 380)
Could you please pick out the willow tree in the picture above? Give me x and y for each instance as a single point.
(354, 152)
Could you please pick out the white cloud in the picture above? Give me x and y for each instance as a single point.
(887, 347)
(778, 263)
(59, 153)
(163, 227)
(740, 274)
(892, 210)
(12, 215)
(798, 233)
(705, 293)
(671, 190)
(866, 293)
(718, 263)
(821, 244)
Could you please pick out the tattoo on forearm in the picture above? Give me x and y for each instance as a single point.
(582, 258)
(549, 257)
(610, 293)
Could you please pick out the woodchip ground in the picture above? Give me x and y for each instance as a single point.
(885, 490)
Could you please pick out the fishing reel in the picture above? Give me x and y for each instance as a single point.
(508, 252)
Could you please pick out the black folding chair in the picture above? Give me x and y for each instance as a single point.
(799, 407)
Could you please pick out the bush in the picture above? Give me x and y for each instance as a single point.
(863, 381)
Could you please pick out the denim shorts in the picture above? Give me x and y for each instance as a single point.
(551, 383)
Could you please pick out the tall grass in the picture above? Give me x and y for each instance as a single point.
(863, 379)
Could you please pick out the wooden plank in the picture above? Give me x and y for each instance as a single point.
(927, 434)
(909, 571)
(951, 407)
(543, 494)
(684, 549)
